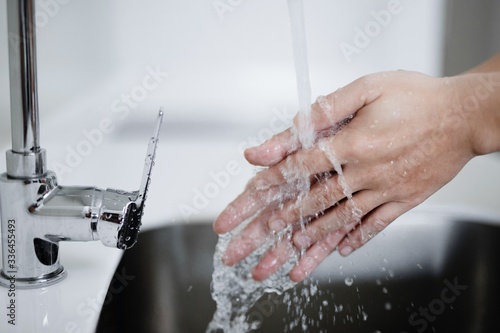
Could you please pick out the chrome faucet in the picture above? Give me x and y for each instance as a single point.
(36, 212)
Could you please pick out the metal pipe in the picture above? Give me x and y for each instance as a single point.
(23, 78)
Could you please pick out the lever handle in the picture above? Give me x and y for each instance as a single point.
(121, 212)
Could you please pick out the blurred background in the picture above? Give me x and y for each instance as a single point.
(223, 70)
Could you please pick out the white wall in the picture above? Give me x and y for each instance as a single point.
(235, 66)
(471, 33)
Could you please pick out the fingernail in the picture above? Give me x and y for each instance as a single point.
(346, 250)
(302, 241)
(297, 275)
(277, 225)
(250, 151)
(227, 220)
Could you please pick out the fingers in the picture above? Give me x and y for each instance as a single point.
(326, 113)
(343, 228)
(291, 167)
(345, 213)
(243, 207)
(301, 165)
(333, 108)
(278, 255)
(250, 238)
(273, 150)
(272, 260)
(276, 184)
(374, 223)
(321, 237)
(323, 194)
(318, 252)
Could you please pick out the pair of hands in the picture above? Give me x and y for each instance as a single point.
(408, 135)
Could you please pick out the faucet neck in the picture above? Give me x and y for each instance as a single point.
(26, 154)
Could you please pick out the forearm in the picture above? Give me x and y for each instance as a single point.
(490, 65)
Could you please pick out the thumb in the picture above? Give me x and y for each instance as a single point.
(328, 112)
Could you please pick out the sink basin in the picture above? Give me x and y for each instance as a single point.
(428, 272)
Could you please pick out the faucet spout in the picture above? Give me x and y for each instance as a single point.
(36, 212)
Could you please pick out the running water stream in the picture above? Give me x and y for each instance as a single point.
(233, 289)
(299, 45)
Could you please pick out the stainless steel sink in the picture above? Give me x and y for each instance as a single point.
(428, 272)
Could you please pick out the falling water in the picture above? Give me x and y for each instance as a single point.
(235, 291)
(356, 213)
(299, 44)
(233, 288)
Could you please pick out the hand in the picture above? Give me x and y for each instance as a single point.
(409, 135)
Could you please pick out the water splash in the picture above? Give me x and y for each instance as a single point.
(234, 290)
(356, 212)
(348, 281)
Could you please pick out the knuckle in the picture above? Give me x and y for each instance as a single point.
(333, 238)
(307, 165)
(344, 215)
(368, 79)
(379, 224)
(290, 214)
(357, 147)
(375, 226)
(414, 201)
(322, 200)
(320, 231)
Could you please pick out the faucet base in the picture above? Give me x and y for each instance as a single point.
(8, 279)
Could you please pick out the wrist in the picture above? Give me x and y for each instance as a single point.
(479, 105)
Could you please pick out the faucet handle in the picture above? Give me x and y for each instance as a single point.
(121, 212)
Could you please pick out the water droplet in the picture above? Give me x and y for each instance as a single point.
(388, 306)
(314, 289)
(357, 213)
(348, 281)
